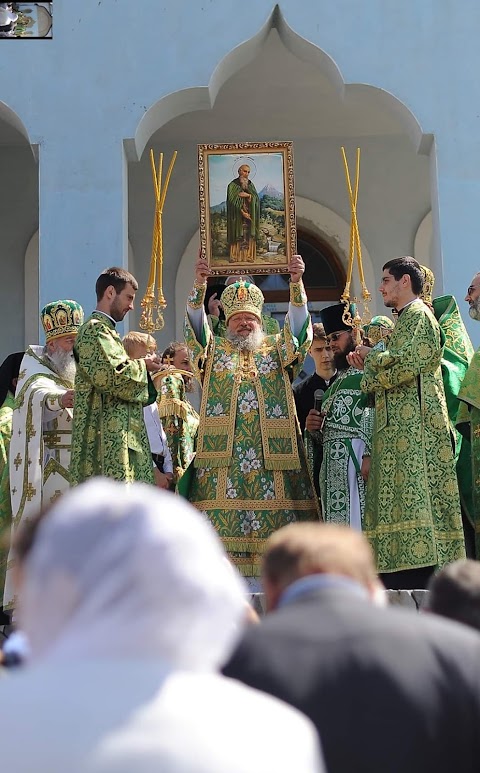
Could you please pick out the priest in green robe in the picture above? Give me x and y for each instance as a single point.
(412, 510)
(109, 437)
(343, 429)
(250, 475)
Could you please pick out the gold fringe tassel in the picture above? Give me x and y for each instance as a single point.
(172, 407)
(206, 461)
(244, 545)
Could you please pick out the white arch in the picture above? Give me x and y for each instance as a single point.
(203, 98)
(31, 286)
(311, 215)
(10, 117)
(422, 246)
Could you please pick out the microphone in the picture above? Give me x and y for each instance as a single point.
(317, 399)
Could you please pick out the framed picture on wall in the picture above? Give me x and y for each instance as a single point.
(247, 207)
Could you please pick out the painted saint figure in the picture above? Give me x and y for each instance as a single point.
(243, 217)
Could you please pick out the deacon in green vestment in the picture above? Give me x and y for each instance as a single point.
(250, 475)
(412, 511)
(468, 418)
(109, 437)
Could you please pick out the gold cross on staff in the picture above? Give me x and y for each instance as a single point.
(168, 359)
(17, 461)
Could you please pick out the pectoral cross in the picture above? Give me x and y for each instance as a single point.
(17, 461)
(264, 348)
(476, 431)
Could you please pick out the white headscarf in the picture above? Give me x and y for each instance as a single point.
(122, 571)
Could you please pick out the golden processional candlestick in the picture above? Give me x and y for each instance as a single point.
(357, 321)
(152, 314)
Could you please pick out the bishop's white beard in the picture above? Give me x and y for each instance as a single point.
(474, 310)
(63, 364)
(243, 183)
(250, 343)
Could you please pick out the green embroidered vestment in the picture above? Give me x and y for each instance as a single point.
(179, 420)
(412, 512)
(109, 436)
(348, 418)
(250, 474)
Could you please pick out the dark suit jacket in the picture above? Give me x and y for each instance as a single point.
(304, 395)
(389, 690)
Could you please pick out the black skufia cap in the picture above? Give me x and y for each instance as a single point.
(332, 318)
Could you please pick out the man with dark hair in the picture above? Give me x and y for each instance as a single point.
(325, 374)
(109, 436)
(117, 278)
(455, 592)
(412, 510)
(387, 690)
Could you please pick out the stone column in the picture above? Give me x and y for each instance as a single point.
(83, 216)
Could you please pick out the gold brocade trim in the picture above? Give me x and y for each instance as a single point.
(268, 428)
(216, 459)
(386, 529)
(244, 545)
(52, 466)
(298, 296)
(209, 424)
(267, 505)
(217, 425)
